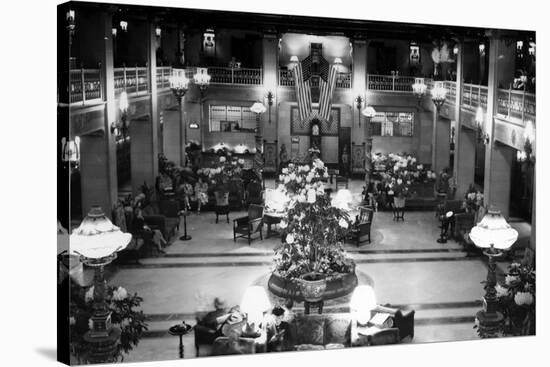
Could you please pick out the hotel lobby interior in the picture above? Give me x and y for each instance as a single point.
(256, 184)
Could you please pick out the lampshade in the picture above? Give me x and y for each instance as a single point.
(479, 115)
(294, 58)
(254, 304)
(123, 101)
(342, 200)
(97, 237)
(275, 200)
(363, 301)
(369, 111)
(493, 231)
(258, 107)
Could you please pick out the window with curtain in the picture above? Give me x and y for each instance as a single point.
(393, 124)
(231, 119)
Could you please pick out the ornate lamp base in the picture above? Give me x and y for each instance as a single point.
(103, 348)
(490, 324)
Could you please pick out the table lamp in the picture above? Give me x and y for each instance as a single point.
(363, 301)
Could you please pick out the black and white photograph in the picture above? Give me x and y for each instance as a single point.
(239, 184)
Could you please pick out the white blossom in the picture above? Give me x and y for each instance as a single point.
(120, 294)
(290, 238)
(523, 298)
(343, 223)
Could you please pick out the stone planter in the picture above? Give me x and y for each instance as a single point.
(337, 285)
(312, 286)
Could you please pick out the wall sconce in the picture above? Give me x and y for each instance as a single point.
(114, 31)
(70, 20)
(532, 48)
(455, 50)
(270, 99)
(358, 105)
(158, 31)
(193, 125)
(124, 25)
(519, 47)
(529, 137)
(481, 49)
(482, 135)
(70, 150)
(122, 126)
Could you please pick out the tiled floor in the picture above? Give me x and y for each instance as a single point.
(405, 264)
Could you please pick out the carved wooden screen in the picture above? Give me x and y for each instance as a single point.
(358, 158)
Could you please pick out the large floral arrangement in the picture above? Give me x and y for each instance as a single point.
(227, 168)
(313, 229)
(399, 172)
(516, 302)
(516, 297)
(125, 314)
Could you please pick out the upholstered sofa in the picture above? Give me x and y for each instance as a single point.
(317, 332)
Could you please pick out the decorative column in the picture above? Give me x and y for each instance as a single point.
(369, 112)
(98, 152)
(270, 69)
(155, 117)
(258, 108)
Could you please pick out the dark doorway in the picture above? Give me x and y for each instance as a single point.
(344, 152)
(521, 190)
(123, 160)
(479, 175)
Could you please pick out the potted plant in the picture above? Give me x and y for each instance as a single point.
(313, 231)
(125, 314)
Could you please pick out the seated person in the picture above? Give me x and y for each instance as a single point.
(201, 194)
(139, 226)
(221, 316)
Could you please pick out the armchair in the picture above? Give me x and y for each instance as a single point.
(386, 336)
(362, 225)
(204, 333)
(402, 320)
(253, 193)
(252, 223)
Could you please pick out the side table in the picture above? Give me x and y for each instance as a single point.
(180, 330)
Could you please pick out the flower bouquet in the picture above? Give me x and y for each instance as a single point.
(313, 229)
(228, 168)
(124, 314)
(516, 298)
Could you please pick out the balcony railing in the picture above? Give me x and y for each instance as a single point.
(390, 83)
(85, 85)
(163, 77)
(243, 76)
(516, 104)
(474, 96)
(286, 79)
(132, 80)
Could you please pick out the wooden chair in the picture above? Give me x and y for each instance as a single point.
(363, 224)
(403, 320)
(252, 223)
(341, 183)
(253, 193)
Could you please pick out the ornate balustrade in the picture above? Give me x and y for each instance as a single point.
(131, 80)
(515, 104)
(474, 96)
(243, 76)
(163, 77)
(85, 85)
(390, 83)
